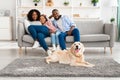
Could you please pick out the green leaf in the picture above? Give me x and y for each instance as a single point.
(36, 0)
(95, 1)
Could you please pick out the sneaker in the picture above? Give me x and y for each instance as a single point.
(49, 52)
(36, 44)
(58, 47)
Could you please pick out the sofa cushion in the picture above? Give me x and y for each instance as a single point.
(84, 38)
(90, 38)
(90, 27)
(29, 39)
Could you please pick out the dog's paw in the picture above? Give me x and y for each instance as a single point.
(47, 61)
(87, 63)
(90, 65)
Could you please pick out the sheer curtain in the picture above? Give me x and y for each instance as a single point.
(118, 20)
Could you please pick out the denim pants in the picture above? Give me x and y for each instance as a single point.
(62, 36)
(54, 37)
(39, 32)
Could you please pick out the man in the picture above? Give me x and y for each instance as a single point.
(66, 26)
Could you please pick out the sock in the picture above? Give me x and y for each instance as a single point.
(58, 47)
(54, 47)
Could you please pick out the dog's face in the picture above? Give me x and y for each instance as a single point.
(77, 48)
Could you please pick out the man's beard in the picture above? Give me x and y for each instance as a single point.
(58, 18)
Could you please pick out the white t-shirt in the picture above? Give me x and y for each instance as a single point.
(28, 23)
(59, 24)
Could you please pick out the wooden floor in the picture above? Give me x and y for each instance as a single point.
(9, 52)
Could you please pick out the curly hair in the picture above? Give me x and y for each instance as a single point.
(29, 15)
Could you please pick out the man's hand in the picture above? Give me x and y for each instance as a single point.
(50, 16)
(70, 31)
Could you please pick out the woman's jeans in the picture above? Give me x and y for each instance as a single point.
(55, 37)
(39, 32)
(62, 36)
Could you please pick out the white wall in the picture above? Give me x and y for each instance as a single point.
(106, 11)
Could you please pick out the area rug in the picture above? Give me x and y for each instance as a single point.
(36, 67)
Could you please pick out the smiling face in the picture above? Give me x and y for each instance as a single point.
(34, 16)
(42, 19)
(56, 14)
(77, 48)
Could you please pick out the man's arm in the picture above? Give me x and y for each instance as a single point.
(70, 31)
(51, 16)
(71, 24)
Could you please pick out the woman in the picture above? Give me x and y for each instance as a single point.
(36, 30)
(54, 32)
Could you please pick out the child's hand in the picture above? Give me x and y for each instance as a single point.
(52, 31)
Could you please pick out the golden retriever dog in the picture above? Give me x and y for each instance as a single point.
(73, 56)
(49, 3)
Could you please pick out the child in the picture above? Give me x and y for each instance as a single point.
(54, 32)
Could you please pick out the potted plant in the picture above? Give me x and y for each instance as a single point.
(36, 1)
(112, 20)
(80, 4)
(66, 3)
(94, 2)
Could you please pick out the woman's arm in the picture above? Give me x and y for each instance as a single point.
(27, 24)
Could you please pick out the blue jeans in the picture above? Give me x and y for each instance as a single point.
(63, 35)
(39, 32)
(54, 38)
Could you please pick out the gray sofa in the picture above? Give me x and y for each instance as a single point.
(92, 34)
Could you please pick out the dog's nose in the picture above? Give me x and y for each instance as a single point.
(77, 47)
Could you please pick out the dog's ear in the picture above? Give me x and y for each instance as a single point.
(82, 48)
(71, 48)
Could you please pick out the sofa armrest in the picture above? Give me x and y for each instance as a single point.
(21, 33)
(110, 30)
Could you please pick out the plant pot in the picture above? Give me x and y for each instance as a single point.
(94, 4)
(112, 20)
(80, 4)
(35, 4)
(66, 3)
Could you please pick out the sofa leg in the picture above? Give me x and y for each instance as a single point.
(111, 50)
(104, 50)
(20, 50)
(25, 50)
